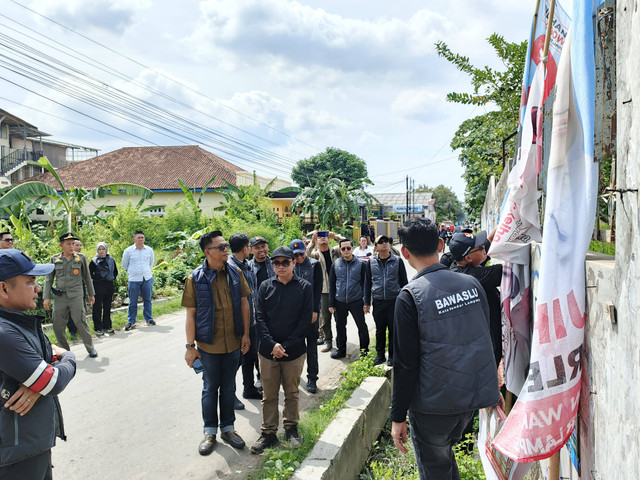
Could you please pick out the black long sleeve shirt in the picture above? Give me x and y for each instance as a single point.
(283, 315)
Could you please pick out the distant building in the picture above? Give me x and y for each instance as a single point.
(21, 142)
(420, 205)
(158, 169)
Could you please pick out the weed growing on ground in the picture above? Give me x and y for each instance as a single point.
(386, 462)
(281, 462)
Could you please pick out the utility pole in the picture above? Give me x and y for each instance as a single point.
(406, 216)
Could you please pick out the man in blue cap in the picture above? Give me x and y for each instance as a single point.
(311, 271)
(32, 373)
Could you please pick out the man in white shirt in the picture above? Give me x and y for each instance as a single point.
(364, 251)
(138, 260)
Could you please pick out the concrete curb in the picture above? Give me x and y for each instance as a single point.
(343, 448)
(88, 316)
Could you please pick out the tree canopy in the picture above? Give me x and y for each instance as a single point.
(448, 207)
(479, 139)
(334, 163)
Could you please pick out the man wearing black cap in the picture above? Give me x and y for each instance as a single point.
(32, 373)
(311, 271)
(70, 272)
(469, 252)
(384, 278)
(284, 311)
(261, 263)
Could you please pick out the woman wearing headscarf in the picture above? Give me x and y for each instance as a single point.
(103, 272)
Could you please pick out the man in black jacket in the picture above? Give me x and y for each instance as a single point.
(443, 366)
(311, 271)
(284, 311)
(32, 373)
(346, 295)
(385, 276)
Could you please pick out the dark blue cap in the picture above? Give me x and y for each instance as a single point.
(13, 263)
(297, 246)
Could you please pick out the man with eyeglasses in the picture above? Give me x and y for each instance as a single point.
(385, 277)
(218, 315)
(346, 293)
(469, 253)
(311, 271)
(6, 240)
(284, 311)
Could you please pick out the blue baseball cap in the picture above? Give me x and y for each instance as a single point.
(297, 246)
(14, 262)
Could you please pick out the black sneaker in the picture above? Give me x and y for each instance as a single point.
(238, 405)
(292, 436)
(233, 439)
(378, 360)
(390, 362)
(312, 387)
(338, 354)
(100, 333)
(151, 322)
(319, 341)
(266, 440)
(111, 331)
(129, 326)
(252, 393)
(93, 353)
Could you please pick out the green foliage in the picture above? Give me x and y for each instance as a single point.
(333, 200)
(603, 247)
(448, 207)
(281, 462)
(333, 162)
(480, 138)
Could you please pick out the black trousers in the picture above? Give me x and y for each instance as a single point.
(433, 437)
(357, 312)
(249, 359)
(312, 351)
(383, 312)
(102, 307)
(34, 468)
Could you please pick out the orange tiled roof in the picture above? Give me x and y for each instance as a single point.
(156, 168)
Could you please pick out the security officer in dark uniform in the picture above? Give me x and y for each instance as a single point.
(70, 271)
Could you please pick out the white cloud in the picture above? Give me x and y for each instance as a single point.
(110, 15)
(279, 30)
(419, 104)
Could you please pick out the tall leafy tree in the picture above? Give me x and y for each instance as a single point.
(333, 162)
(479, 139)
(332, 200)
(448, 207)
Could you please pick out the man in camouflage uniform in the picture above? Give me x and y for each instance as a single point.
(70, 271)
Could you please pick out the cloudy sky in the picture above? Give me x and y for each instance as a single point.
(262, 83)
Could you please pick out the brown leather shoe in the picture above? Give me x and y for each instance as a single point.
(233, 439)
(327, 347)
(206, 445)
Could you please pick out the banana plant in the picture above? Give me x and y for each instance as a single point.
(70, 201)
(193, 199)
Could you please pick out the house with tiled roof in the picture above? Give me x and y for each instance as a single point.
(158, 169)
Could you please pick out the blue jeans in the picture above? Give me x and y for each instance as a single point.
(219, 379)
(145, 288)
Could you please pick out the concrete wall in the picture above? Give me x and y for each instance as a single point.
(493, 201)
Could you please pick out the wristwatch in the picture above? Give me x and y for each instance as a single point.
(190, 345)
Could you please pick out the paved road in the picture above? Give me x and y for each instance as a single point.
(134, 412)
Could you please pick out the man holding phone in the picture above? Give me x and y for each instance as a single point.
(215, 296)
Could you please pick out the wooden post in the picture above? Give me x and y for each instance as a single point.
(554, 467)
(547, 37)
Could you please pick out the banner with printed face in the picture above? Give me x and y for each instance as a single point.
(545, 414)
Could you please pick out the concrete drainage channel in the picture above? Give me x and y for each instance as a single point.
(343, 448)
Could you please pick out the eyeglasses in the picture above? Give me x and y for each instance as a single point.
(345, 249)
(479, 249)
(382, 241)
(284, 263)
(8, 240)
(222, 248)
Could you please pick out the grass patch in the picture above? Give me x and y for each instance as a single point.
(281, 462)
(603, 247)
(119, 319)
(386, 462)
